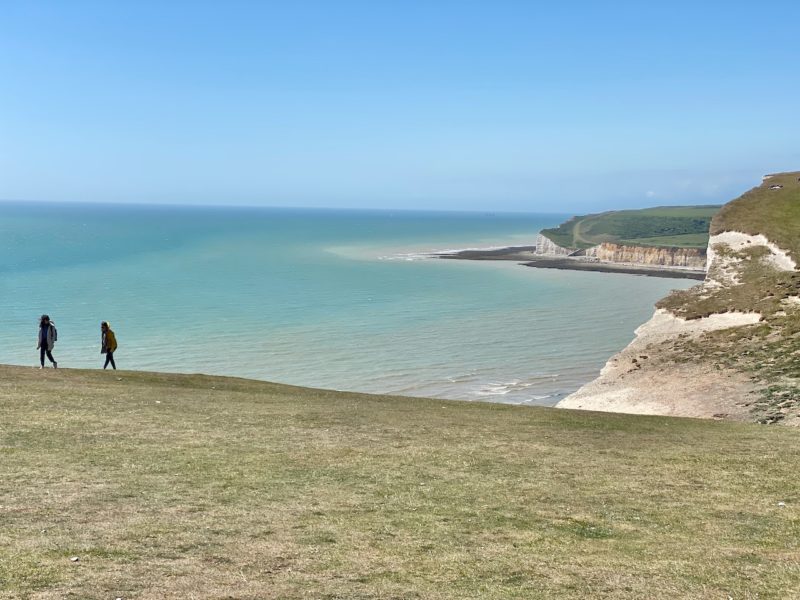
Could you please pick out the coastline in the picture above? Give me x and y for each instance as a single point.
(526, 256)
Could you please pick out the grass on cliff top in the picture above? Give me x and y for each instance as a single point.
(688, 240)
(176, 486)
(665, 226)
(773, 213)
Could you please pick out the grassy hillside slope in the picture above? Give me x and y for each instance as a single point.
(764, 210)
(175, 486)
(673, 226)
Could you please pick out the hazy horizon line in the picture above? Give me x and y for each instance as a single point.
(330, 208)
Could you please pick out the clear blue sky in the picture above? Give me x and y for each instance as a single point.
(494, 105)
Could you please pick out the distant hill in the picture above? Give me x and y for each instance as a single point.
(671, 226)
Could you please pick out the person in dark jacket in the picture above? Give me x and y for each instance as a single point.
(108, 344)
(46, 340)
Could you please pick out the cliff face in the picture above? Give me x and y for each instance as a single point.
(647, 378)
(690, 258)
(730, 347)
(547, 247)
(684, 258)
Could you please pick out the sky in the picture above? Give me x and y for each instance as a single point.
(496, 105)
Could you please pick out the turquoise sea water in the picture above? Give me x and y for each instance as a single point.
(333, 299)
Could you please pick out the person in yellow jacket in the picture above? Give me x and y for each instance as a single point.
(108, 344)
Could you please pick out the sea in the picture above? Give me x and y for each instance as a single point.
(338, 299)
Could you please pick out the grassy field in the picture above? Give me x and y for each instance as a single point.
(170, 486)
(681, 226)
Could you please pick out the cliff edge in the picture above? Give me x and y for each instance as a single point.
(730, 347)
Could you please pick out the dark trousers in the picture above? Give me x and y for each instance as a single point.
(110, 359)
(42, 351)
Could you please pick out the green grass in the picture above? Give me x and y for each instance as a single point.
(177, 486)
(688, 240)
(762, 210)
(672, 226)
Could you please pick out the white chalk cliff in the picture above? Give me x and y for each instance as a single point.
(644, 379)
